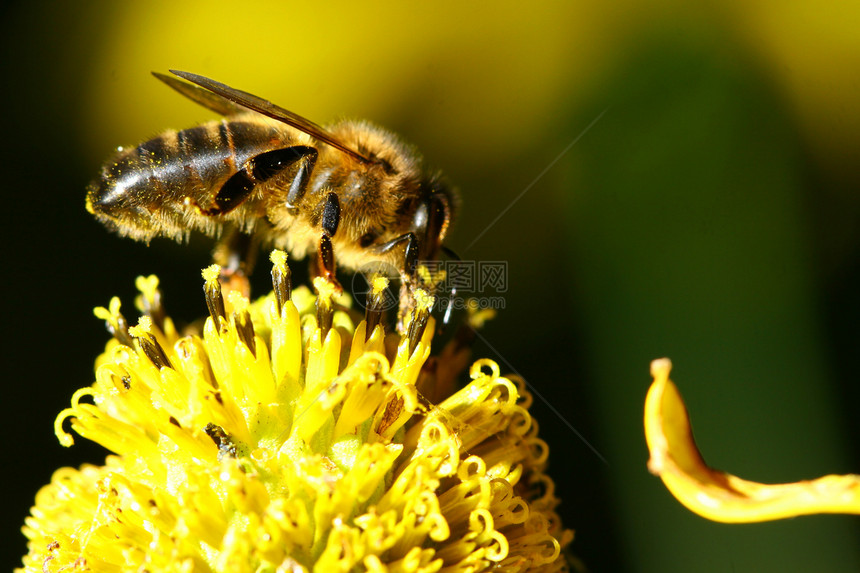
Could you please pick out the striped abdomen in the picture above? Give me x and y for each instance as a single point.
(166, 185)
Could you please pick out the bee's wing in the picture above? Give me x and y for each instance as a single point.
(206, 98)
(221, 92)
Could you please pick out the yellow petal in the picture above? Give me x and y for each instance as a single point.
(717, 495)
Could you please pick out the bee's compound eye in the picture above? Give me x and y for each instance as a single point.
(438, 218)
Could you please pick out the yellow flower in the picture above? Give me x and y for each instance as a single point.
(284, 438)
(721, 496)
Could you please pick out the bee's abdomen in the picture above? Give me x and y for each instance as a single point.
(160, 177)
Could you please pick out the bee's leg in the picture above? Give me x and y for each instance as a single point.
(236, 253)
(410, 254)
(325, 262)
(256, 171)
(408, 273)
(304, 166)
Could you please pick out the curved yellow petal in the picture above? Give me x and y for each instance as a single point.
(717, 495)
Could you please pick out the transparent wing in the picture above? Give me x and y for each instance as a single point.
(206, 98)
(221, 92)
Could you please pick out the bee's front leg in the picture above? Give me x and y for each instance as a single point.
(325, 262)
(236, 254)
(408, 274)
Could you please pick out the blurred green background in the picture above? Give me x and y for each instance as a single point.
(710, 215)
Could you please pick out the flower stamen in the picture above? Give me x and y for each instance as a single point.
(376, 302)
(214, 298)
(325, 309)
(149, 300)
(242, 321)
(420, 314)
(115, 322)
(149, 344)
(281, 281)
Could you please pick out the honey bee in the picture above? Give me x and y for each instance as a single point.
(350, 188)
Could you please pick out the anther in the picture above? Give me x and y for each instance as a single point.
(148, 343)
(376, 299)
(280, 278)
(115, 322)
(245, 330)
(242, 320)
(420, 316)
(325, 309)
(150, 300)
(214, 298)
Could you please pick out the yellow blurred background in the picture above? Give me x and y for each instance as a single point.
(662, 178)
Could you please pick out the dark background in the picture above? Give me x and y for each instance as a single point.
(709, 214)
